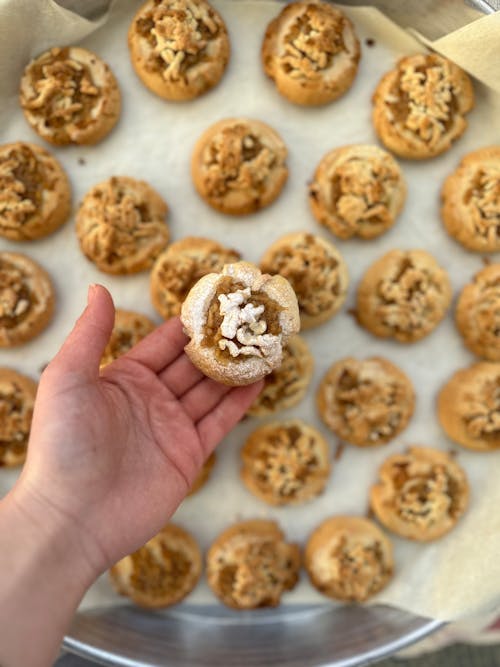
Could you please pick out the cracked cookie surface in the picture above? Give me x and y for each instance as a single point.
(129, 328)
(17, 399)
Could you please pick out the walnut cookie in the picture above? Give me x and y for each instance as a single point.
(129, 328)
(121, 225)
(179, 48)
(471, 201)
(238, 166)
(366, 402)
(421, 494)
(349, 558)
(70, 96)
(17, 399)
(250, 565)
(311, 52)
(404, 295)
(238, 322)
(180, 266)
(419, 107)
(316, 271)
(357, 191)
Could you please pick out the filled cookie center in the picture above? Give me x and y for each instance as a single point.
(22, 180)
(483, 199)
(159, 573)
(356, 567)
(483, 416)
(15, 297)
(15, 421)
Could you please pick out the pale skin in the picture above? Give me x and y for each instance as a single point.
(111, 455)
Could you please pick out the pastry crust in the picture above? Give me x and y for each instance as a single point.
(204, 474)
(17, 399)
(404, 295)
(421, 494)
(357, 190)
(70, 96)
(419, 106)
(471, 201)
(349, 558)
(121, 225)
(179, 48)
(162, 572)
(315, 269)
(130, 328)
(311, 52)
(238, 166)
(250, 565)
(238, 322)
(366, 402)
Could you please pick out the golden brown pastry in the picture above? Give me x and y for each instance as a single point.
(203, 475)
(130, 327)
(17, 398)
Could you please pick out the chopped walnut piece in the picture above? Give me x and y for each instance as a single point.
(17, 398)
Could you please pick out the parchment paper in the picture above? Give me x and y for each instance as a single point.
(459, 574)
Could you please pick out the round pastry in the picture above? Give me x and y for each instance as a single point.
(204, 474)
(181, 266)
(471, 201)
(250, 565)
(421, 494)
(238, 322)
(121, 225)
(238, 166)
(285, 386)
(26, 299)
(357, 191)
(17, 399)
(311, 52)
(70, 96)
(349, 558)
(404, 295)
(316, 271)
(419, 106)
(469, 407)
(179, 48)
(129, 329)
(35, 194)
(162, 572)
(366, 402)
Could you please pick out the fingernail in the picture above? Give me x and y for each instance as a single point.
(91, 292)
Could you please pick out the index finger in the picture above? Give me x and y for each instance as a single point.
(161, 347)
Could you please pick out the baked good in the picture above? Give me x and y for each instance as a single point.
(471, 201)
(179, 48)
(311, 52)
(238, 165)
(180, 266)
(26, 299)
(316, 271)
(121, 225)
(469, 407)
(349, 558)
(238, 321)
(130, 327)
(35, 194)
(162, 572)
(421, 494)
(357, 191)
(17, 398)
(367, 402)
(203, 475)
(419, 107)
(285, 386)
(403, 295)
(70, 96)
(250, 565)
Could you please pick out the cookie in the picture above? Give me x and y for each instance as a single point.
(419, 107)
(421, 494)
(471, 201)
(349, 558)
(26, 299)
(468, 407)
(238, 322)
(203, 475)
(130, 327)
(35, 194)
(316, 271)
(285, 386)
(17, 399)
(162, 572)
(238, 166)
(357, 191)
(179, 48)
(366, 402)
(121, 226)
(181, 266)
(250, 565)
(311, 52)
(70, 96)
(404, 295)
